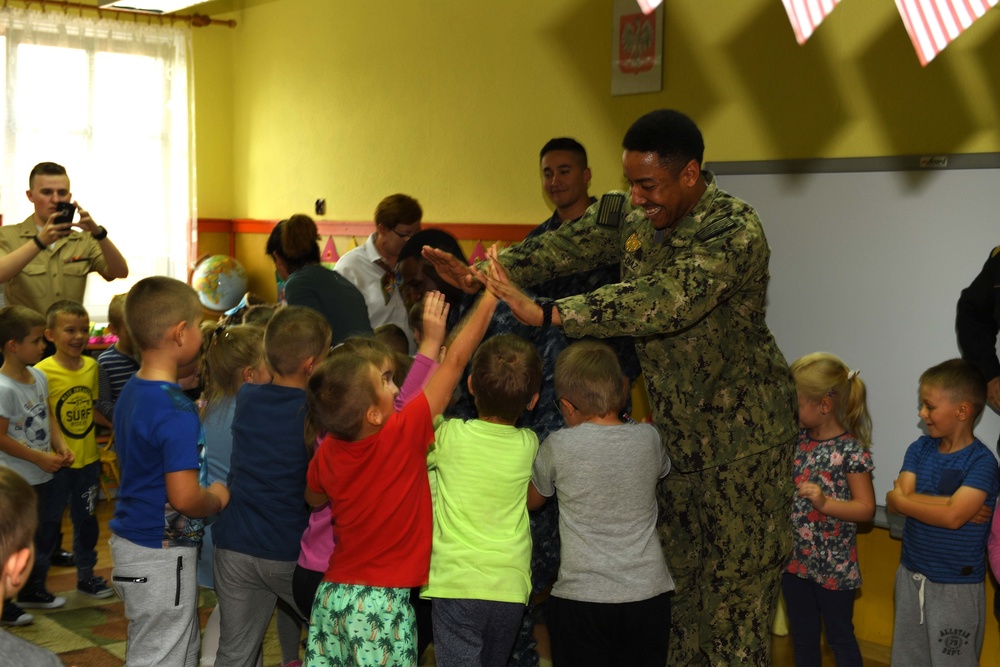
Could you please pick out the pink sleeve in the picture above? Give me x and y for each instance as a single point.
(420, 372)
(994, 546)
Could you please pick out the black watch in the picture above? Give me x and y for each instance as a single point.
(546, 305)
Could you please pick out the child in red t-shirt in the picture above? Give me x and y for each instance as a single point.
(373, 470)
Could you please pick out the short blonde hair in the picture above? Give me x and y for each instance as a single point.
(116, 312)
(64, 307)
(589, 376)
(155, 304)
(506, 373)
(961, 380)
(294, 334)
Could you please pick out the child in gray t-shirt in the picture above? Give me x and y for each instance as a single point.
(611, 602)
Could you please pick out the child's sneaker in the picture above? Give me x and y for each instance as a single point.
(95, 587)
(40, 599)
(62, 558)
(14, 616)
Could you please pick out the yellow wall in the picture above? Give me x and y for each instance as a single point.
(450, 100)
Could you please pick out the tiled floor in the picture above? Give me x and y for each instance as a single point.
(91, 633)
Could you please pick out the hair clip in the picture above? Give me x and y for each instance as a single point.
(853, 374)
(219, 331)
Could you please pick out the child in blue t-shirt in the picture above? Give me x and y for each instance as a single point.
(156, 529)
(947, 477)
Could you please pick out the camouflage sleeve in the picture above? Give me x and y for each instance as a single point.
(674, 295)
(574, 247)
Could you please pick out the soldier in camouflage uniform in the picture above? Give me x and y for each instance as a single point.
(694, 274)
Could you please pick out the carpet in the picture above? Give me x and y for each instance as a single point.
(91, 633)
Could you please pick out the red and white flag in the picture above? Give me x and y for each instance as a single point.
(649, 6)
(806, 15)
(932, 24)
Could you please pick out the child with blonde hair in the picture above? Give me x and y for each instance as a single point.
(611, 601)
(947, 480)
(116, 364)
(372, 469)
(232, 357)
(257, 536)
(833, 478)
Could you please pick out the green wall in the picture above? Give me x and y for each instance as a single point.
(450, 100)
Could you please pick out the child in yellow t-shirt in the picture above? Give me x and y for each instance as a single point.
(72, 378)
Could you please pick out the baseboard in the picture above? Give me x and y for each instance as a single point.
(873, 651)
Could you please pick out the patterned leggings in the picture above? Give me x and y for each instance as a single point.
(353, 624)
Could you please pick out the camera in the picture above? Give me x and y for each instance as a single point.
(66, 213)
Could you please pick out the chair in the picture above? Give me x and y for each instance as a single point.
(109, 463)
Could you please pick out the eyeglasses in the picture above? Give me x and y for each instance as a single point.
(405, 236)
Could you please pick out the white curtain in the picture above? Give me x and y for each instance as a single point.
(108, 100)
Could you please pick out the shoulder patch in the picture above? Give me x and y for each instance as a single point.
(996, 251)
(611, 209)
(713, 229)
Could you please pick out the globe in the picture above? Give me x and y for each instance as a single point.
(220, 282)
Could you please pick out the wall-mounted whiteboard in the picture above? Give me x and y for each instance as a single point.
(868, 257)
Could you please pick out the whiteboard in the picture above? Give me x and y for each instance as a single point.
(868, 257)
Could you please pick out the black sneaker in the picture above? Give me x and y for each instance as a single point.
(40, 599)
(62, 559)
(14, 616)
(95, 587)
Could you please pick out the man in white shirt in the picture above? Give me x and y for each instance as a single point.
(372, 267)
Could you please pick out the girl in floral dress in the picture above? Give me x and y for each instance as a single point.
(834, 492)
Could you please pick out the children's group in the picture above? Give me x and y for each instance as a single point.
(311, 459)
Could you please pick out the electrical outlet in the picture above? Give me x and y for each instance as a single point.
(320, 207)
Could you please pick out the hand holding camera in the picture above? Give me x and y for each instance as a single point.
(66, 212)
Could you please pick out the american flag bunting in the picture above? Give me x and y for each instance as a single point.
(806, 15)
(933, 24)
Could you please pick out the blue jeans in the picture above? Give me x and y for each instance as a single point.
(78, 487)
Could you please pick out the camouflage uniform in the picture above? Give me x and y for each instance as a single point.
(721, 395)
(544, 419)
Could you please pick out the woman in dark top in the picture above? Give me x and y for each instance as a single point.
(292, 245)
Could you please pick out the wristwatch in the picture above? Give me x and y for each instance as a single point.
(546, 305)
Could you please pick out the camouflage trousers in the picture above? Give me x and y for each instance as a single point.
(726, 535)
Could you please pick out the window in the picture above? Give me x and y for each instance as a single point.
(109, 101)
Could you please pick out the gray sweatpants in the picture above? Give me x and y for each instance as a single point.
(937, 624)
(247, 589)
(160, 590)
